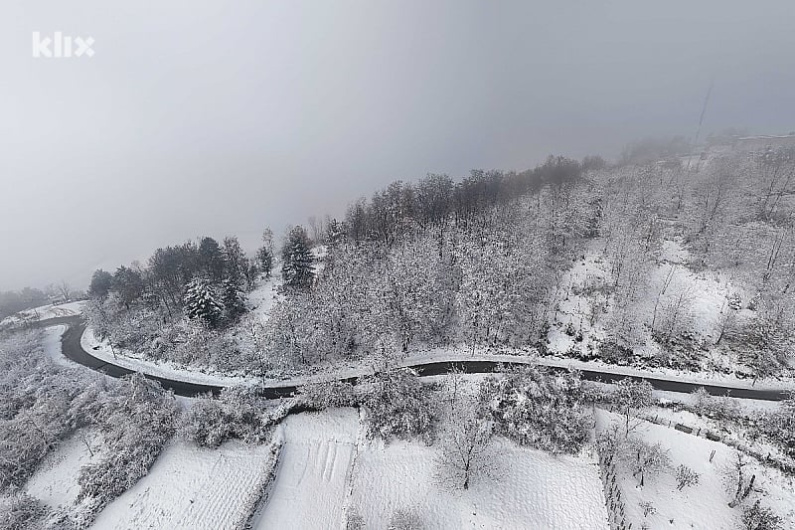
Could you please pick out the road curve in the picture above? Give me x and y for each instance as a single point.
(73, 350)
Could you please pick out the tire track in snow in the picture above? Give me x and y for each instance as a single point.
(311, 484)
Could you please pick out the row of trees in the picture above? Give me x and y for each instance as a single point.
(204, 281)
(480, 262)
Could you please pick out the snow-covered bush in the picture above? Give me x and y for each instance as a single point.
(397, 404)
(405, 519)
(21, 511)
(717, 407)
(758, 517)
(685, 477)
(354, 520)
(236, 414)
(328, 395)
(138, 419)
(40, 404)
(536, 407)
(779, 426)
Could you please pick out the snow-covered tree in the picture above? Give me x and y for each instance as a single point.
(631, 398)
(297, 259)
(397, 405)
(538, 408)
(233, 302)
(101, 282)
(465, 450)
(201, 302)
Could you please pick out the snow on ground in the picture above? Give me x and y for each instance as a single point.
(194, 489)
(705, 505)
(533, 490)
(55, 481)
(51, 341)
(127, 359)
(678, 301)
(261, 300)
(313, 472)
(46, 312)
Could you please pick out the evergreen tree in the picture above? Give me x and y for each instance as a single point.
(235, 259)
(211, 259)
(234, 306)
(265, 258)
(201, 303)
(297, 259)
(265, 254)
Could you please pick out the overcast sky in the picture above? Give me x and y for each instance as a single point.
(217, 117)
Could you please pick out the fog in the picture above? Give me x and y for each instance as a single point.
(215, 118)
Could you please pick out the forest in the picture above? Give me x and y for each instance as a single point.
(581, 259)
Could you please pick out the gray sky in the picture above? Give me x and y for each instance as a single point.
(210, 117)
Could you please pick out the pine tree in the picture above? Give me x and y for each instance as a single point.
(297, 259)
(265, 258)
(201, 303)
(211, 259)
(234, 306)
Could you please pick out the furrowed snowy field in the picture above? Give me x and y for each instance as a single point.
(191, 488)
(328, 469)
(317, 471)
(313, 472)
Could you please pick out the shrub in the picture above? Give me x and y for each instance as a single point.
(714, 407)
(405, 519)
(535, 407)
(685, 477)
(137, 422)
(329, 395)
(236, 414)
(354, 520)
(779, 426)
(21, 511)
(758, 517)
(397, 405)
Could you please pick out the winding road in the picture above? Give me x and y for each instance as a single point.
(73, 350)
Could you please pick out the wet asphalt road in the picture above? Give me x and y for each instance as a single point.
(73, 350)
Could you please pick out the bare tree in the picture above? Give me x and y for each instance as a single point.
(631, 398)
(644, 460)
(64, 291)
(465, 449)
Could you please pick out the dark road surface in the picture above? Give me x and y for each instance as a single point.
(73, 350)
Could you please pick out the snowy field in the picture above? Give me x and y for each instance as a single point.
(46, 312)
(532, 490)
(194, 489)
(705, 505)
(313, 471)
(55, 481)
(261, 300)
